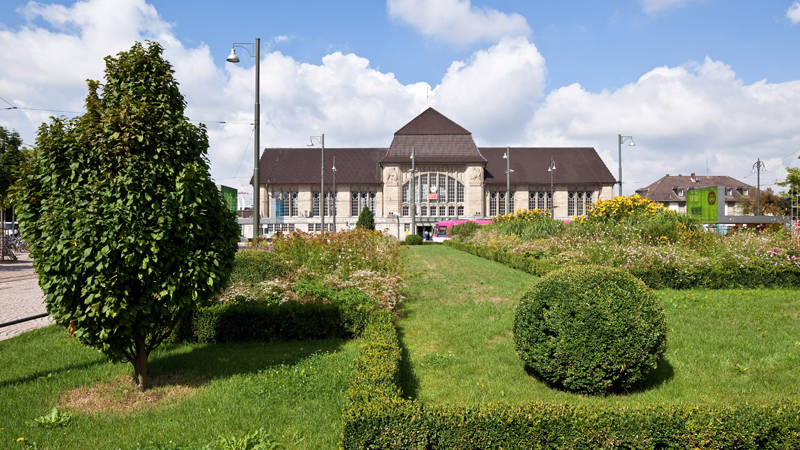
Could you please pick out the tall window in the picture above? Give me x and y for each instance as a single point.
(451, 195)
(571, 204)
(460, 210)
(502, 198)
(460, 193)
(285, 203)
(405, 210)
(405, 193)
(360, 199)
(493, 203)
(315, 204)
(541, 200)
(442, 188)
(579, 202)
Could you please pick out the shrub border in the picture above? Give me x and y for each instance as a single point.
(715, 277)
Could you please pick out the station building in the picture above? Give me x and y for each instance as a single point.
(453, 179)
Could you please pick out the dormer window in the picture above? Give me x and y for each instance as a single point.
(728, 192)
(678, 192)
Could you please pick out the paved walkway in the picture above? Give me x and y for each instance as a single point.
(20, 297)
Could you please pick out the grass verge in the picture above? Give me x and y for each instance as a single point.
(731, 346)
(293, 390)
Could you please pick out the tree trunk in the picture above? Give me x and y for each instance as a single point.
(140, 365)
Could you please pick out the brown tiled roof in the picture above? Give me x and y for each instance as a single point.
(662, 190)
(581, 165)
(436, 139)
(302, 165)
(431, 122)
(434, 149)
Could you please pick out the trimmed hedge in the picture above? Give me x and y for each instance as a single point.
(240, 322)
(255, 266)
(413, 239)
(590, 329)
(720, 276)
(376, 416)
(532, 266)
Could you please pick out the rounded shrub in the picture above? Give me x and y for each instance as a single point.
(255, 266)
(413, 239)
(590, 329)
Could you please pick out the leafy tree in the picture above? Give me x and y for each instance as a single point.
(366, 219)
(11, 157)
(771, 203)
(128, 230)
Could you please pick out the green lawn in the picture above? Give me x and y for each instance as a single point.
(294, 390)
(722, 346)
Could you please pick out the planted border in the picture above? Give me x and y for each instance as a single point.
(714, 277)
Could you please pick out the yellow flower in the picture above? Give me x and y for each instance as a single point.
(20, 439)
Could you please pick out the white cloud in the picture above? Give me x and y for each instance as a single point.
(496, 92)
(793, 13)
(652, 6)
(678, 117)
(457, 21)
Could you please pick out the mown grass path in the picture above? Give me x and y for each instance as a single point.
(723, 345)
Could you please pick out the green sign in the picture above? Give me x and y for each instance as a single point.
(229, 195)
(702, 203)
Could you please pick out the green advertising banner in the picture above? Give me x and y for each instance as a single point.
(229, 195)
(702, 203)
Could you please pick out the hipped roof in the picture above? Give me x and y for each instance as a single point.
(302, 165)
(575, 165)
(435, 139)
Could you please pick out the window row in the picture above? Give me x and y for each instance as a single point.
(434, 188)
(497, 203)
(433, 211)
(275, 227)
(541, 200)
(328, 204)
(578, 203)
(360, 200)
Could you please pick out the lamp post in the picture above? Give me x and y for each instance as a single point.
(551, 169)
(413, 193)
(321, 139)
(256, 53)
(757, 168)
(333, 195)
(507, 157)
(621, 140)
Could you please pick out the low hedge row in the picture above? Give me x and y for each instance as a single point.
(376, 416)
(532, 266)
(240, 322)
(722, 276)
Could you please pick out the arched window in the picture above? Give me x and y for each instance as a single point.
(438, 193)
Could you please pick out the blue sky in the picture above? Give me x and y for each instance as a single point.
(692, 80)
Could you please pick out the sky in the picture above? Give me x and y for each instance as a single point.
(703, 86)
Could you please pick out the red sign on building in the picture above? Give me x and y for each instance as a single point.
(433, 196)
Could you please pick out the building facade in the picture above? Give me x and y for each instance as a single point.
(452, 178)
(671, 191)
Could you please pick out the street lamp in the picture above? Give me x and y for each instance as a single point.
(333, 195)
(321, 139)
(413, 193)
(256, 53)
(621, 140)
(551, 169)
(507, 157)
(757, 168)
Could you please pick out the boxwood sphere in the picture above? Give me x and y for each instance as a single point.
(590, 329)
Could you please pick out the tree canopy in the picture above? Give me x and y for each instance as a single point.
(128, 230)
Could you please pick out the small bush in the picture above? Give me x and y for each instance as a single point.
(255, 266)
(590, 329)
(366, 220)
(413, 239)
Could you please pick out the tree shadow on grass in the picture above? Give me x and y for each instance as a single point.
(655, 378)
(214, 361)
(409, 383)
